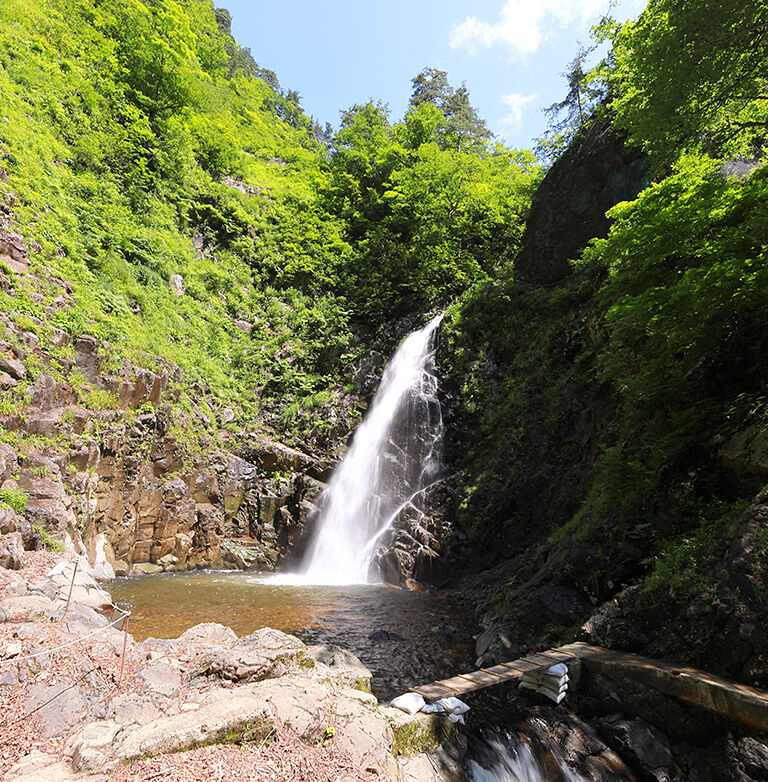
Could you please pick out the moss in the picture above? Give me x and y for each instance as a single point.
(362, 683)
(418, 734)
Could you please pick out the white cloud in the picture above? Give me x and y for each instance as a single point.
(523, 24)
(516, 103)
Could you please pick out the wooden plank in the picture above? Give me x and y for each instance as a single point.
(539, 660)
(558, 657)
(460, 685)
(481, 678)
(505, 670)
(523, 666)
(433, 692)
(496, 674)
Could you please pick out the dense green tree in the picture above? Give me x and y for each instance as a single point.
(461, 127)
(691, 73)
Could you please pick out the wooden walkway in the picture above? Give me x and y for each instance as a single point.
(730, 699)
(487, 677)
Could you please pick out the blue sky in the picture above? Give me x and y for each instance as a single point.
(510, 53)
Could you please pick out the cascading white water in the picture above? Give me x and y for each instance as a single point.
(518, 758)
(393, 459)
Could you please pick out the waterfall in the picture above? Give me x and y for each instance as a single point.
(393, 459)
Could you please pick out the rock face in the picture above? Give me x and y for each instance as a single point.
(721, 630)
(597, 171)
(120, 476)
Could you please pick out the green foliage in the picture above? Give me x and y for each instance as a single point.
(16, 499)
(424, 220)
(587, 90)
(690, 74)
(610, 399)
(48, 541)
(460, 127)
(198, 220)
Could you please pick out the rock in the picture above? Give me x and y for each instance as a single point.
(159, 678)
(176, 284)
(41, 767)
(208, 632)
(747, 451)
(121, 567)
(28, 608)
(43, 393)
(14, 246)
(596, 171)
(11, 551)
(8, 519)
(385, 635)
(361, 728)
(145, 569)
(12, 367)
(90, 747)
(234, 718)
(343, 666)
(636, 739)
(415, 733)
(263, 654)
(87, 357)
(59, 707)
(6, 382)
(750, 756)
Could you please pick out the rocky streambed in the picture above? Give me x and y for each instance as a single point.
(83, 701)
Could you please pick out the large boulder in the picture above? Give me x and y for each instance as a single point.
(596, 171)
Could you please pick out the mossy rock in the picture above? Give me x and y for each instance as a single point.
(413, 734)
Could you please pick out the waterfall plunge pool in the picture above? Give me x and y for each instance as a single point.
(404, 638)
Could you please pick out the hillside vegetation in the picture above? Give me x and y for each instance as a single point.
(613, 429)
(189, 211)
(606, 431)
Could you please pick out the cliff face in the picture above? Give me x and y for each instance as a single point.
(606, 432)
(597, 171)
(107, 453)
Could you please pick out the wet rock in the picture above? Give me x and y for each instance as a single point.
(145, 569)
(385, 635)
(248, 554)
(642, 743)
(749, 757)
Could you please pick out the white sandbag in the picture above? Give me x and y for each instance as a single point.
(454, 718)
(410, 702)
(452, 705)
